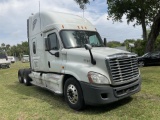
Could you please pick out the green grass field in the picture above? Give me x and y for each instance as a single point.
(19, 102)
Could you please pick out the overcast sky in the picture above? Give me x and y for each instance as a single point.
(14, 14)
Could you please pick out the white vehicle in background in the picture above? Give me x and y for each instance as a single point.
(68, 57)
(12, 59)
(25, 58)
(4, 62)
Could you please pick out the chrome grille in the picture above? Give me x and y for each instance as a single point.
(123, 69)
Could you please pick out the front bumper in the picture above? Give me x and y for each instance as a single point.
(103, 94)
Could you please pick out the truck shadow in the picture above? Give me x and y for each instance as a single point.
(58, 102)
(107, 107)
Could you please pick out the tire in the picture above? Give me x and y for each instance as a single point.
(27, 80)
(73, 94)
(141, 64)
(20, 76)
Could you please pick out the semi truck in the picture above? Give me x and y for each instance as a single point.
(69, 58)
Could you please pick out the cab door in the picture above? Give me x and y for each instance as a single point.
(53, 57)
(35, 56)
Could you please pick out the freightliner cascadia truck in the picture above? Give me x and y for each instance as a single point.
(69, 58)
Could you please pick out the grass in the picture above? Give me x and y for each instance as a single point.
(19, 102)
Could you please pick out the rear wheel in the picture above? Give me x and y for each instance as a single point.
(20, 76)
(27, 80)
(73, 94)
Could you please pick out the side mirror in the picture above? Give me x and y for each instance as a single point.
(88, 47)
(105, 41)
(47, 44)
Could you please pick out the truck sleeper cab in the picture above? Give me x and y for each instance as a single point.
(68, 57)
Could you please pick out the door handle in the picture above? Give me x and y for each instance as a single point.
(49, 65)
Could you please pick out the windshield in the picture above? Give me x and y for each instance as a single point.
(77, 38)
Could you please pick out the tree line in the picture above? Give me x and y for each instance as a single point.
(139, 45)
(16, 50)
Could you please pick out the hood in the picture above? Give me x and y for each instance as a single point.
(107, 51)
(97, 51)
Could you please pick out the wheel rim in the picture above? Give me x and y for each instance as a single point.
(72, 94)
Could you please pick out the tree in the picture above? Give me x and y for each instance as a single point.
(157, 44)
(3, 46)
(143, 12)
(140, 11)
(13, 51)
(8, 46)
(19, 50)
(7, 49)
(139, 47)
(155, 29)
(113, 44)
(81, 2)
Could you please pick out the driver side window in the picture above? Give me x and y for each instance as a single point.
(54, 44)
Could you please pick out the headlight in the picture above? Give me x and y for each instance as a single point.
(97, 78)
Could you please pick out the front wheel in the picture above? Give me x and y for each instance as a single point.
(73, 94)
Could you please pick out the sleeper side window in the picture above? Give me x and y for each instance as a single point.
(54, 45)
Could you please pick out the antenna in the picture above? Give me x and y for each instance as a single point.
(82, 6)
(39, 14)
(83, 12)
